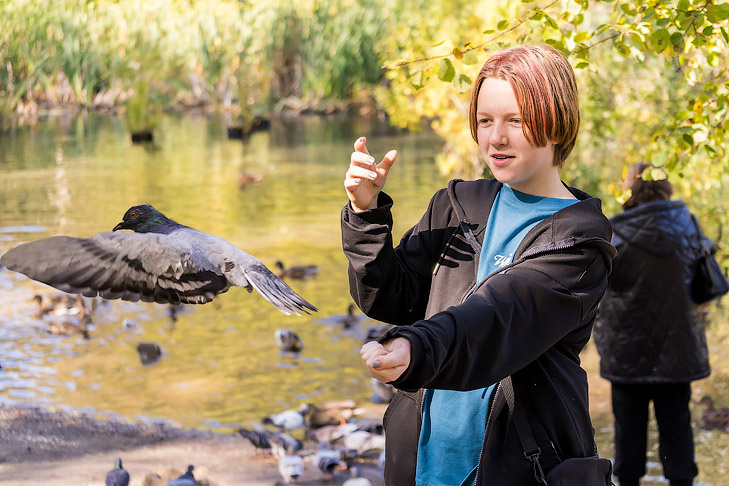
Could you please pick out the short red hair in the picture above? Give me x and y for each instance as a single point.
(546, 91)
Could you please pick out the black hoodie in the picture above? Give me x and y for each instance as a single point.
(530, 322)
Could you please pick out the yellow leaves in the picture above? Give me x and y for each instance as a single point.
(583, 36)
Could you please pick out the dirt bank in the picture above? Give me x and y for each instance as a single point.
(53, 446)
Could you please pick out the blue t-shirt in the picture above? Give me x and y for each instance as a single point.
(454, 422)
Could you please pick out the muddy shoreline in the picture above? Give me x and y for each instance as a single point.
(66, 447)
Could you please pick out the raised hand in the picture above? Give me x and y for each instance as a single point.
(365, 179)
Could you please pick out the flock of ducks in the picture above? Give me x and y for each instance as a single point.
(333, 439)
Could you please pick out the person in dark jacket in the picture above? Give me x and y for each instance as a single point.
(500, 278)
(649, 333)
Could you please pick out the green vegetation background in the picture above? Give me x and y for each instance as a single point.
(653, 75)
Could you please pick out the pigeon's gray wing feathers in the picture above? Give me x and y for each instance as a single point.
(276, 291)
(129, 266)
(244, 270)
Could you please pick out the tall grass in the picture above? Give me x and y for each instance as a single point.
(219, 53)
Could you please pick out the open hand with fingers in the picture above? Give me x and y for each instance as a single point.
(386, 362)
(365, 179)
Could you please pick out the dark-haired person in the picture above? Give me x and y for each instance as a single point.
(500, 277)
(649, 333)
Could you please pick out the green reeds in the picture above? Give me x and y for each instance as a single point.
(98, 54)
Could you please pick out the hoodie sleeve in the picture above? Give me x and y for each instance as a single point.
(391, 284)
(509, 321)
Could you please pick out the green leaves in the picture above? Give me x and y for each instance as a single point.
(462, 83)
(660, 40)
(418, 79)
(446, 71)
(447, 74)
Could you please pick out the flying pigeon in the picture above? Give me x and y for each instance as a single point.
(187, 479)
(161, 261)
(117, 476)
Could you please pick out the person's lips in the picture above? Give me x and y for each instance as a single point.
(501, 159)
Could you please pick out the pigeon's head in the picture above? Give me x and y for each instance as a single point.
(143, 219)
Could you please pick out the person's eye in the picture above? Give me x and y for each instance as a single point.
(484, 121)
(516, 121)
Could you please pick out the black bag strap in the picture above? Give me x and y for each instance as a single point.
(523, 430)
(701, 237)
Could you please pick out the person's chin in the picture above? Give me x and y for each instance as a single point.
(501, 174)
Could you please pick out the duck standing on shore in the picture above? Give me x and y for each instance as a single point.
(161, 261)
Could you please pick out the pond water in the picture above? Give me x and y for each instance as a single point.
(220, 367)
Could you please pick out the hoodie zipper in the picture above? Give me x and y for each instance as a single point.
(557, 247)
(485, 433)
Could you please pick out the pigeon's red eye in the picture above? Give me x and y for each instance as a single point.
(133, 214)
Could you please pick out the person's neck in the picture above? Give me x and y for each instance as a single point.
(553, 188)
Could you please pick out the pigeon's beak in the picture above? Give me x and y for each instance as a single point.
(121, 225)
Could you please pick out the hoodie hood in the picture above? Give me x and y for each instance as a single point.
(658, 227)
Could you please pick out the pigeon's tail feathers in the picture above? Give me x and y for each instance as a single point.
(127, 266)
(276, 291)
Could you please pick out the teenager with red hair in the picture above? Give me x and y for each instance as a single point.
(500, 278)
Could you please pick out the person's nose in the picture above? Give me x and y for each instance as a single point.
(497, 137)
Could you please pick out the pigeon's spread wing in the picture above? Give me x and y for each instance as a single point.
(245, 270)
(129, 266)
